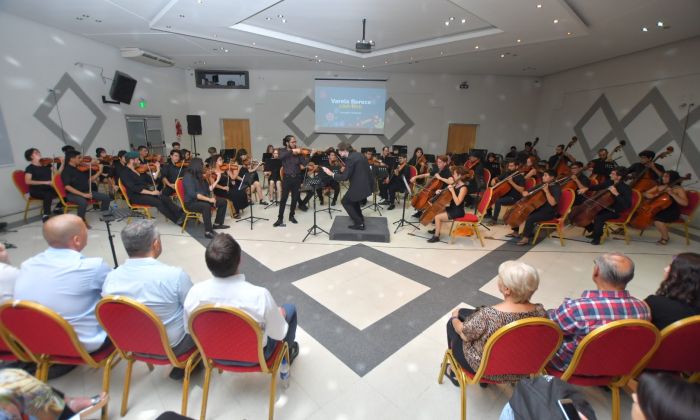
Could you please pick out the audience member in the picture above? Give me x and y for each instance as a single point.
(609, 302)
(662, 396)
(64, 280)
(160, 287)
(468, 330)
(8, 275)
(678, 296)
(230, 288)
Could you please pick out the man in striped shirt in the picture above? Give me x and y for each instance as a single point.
(595, 308)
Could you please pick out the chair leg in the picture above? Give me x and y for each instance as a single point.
(560, 233)
(127, 384)
(443, 367)
(452, 226)
(26, 210)
(605, 234)
(463, 400)
(615, 403)
(205, 392)
(475, 228)
(687, 238)
(42, 371)
(273, 387)
(191, 363)
(627, 236)
(106, 373)
(184, 224)
(694, 378)
(537, 234)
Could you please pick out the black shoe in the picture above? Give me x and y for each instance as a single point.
(320, 202)
(293, 352)
(293, 220)
(391, 207)
(177, 373)
(595, 242)
(434, 239)
(361, 226)
(264, 203)
(44, 218)
(180, 220)
(58, 210)
(417, 214)
(384, 202)
(333, 202)
(302, 207)
(209, 235)
(278, 223)
(221, 226)
(431, 231)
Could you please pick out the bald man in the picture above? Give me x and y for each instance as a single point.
(64, 280)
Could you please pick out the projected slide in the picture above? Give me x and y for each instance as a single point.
(350, 106)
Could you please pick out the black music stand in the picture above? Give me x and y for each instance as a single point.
(329, 209)
(374, 206)
(244, 184)
(116, 215)
(311, 185)
(403, 222)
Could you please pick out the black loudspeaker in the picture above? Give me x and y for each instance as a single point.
(194, 125)
(122, 88)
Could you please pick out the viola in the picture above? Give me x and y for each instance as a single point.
(437, 206)
(421, 200)
(650, 207)
(645, 179)
(562, 167)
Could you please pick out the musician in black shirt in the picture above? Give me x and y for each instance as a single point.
(581, 180)
(517, 187)
(492, 165)
(80, 186)
(396, 180)
(559, 154)
(199, 197)
(546, 211)
(292, 164)
(601, 166)
(441, 172)
(38, 178)
(171, 171)
(623, 201)
(646, 160)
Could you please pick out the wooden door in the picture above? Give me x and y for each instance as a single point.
(236, 134)
(461, 137)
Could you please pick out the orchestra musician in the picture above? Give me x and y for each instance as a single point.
(171, 171)
(517, 187)
(581, 180)
(493, 165)
(106, 177)
(38, 178)
(395, 182)
(141, 191)
(199, 198)
(513, 153)
(227, 186)
(420, 162)
(476, 183)
(271, 171)
(623, 201)
(601, 166)
(670, 184)
(646, 160)
(547, 211)
(441, 172)
(559, 153)
(119, 165)
(79, 185)
(455, 209)
(248, 172)
(143, 152)
(336, 166)
(528, 151)
(209, 162)
(358, 172)
(293, 164)
(530, 167)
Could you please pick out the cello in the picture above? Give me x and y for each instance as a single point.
(437, 206)
(502, 187)
(644, 216)
(421, 200)
(601, 178)
(561, 167)
(645, 179)
(519, 212)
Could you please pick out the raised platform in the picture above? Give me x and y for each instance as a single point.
(376, 230)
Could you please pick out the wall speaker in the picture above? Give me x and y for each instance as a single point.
(194, 125)
(122, 88)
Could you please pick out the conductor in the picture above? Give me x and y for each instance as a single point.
(358, 172)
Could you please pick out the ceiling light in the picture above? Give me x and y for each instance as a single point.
(200, 1)
(539, 6)
(645, 29)
(452, 18)
(315, 56)
(363, 66)
(253, 43)
(168, 26)
(503, 56)
(464, 21)
(519, 40)
(284, 20)
(386, 61)
(476, 47)
(280, 16)
(181, 15)
(268, 18)
(442, 53)
(215, 36)
(447, 23)
(225, 50)
(568, 33)
(556, 21)
(78, 18)
(660, 24)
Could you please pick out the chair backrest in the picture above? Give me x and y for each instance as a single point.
(122, 189)
(520, 348)
(412, 171)
(616, 349)
(530, 183)
(133, 327)
(9, 350)
(57, 183)
(180, 191)
(485, 201)
(487, 176)
(566, 201)
(693, 201)
(636, 201)
(42, 332)
(678, 350)
(20, 182)
(227, 333)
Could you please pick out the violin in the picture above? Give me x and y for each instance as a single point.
(228, 166)
(85, 167)
(650, 207)
(153, 158)
(562, 167)
(305, 151)
(147, 167)
(107, 159)
(645, 179)
(182, 164)
(48, 161)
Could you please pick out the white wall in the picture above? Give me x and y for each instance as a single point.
(504, 108)
(33, 57)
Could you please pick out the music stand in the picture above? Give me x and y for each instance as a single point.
(246, 183)
(329, 209)
(403, 222)
(374, 206)
(312, 184)
(116, 215)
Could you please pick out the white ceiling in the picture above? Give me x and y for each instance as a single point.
(514, 37)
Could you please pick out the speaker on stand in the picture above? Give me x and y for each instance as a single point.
(194, 128)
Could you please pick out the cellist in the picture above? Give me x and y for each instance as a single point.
(455, 209)
(547, 211)
(517, 187)
(623, 201)
(670, 185)
(559, 153)
(646, 160)
(441, 172)
(601, 166)
(581, 180)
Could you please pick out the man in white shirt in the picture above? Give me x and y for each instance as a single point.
(64, 280)
(160, 287)
(8, 275)
(229, 287)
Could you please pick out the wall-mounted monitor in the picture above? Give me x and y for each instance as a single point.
(221, 79)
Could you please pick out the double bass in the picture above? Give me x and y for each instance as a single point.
(650, 207)
(599, 179)
(561, 167)
(645, 179)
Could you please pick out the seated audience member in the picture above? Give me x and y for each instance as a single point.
(230, 288)
(24, 396)
(468, 330)
(662, 396)
(8, 275)
(64, 280)
(160, 287)
(678, 296)
(609, 302)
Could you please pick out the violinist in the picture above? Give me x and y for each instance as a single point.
(107, 176)
(547, 211)
(476, 173)
(441, 172)
(141, 191)
(143, 152)
(493, 165)
(199, 198)
(312, 171)
(37, 175)
(292, 163)
(226, 185)
(272, 172)
(670, 184)
(79, 185)
(396, 178)
(455, 209)
(209, 162)
(175, 145)
(517, 187)
(336, 166)
(171, 171)
(646, 160)
(581, 180)
(601, 166)
(248, 172)
(513, 153)
(420, 162)
(186, 155)
(623, 201)
(119, 164)
(559, 154)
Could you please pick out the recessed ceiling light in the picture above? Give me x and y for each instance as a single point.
(442, 53)
(315, 56)
(539, 6)
(519, 40)
(253, 43)
(386, 61)
(200, 1)
(284, 20)
(452, 18)
(476, 47)
(215, 36)
(568, 33)
(363, 66)
(268, 18)
(447, 23)
(225, 50)
(503, 55)
(341, 61)
(645, 29)
(280, 16)
(181, 15)
(660, 24)
(464, 21)
(556, 21)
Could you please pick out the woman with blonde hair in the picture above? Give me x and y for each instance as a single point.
(468, 330)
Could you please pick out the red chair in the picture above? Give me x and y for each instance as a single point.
(23, 188)
(678, 350)
(624, 219)
(610, 355)
(530, 183)
(412, 172)
(57, 183)
(566, 201)
(687, 212)
(180, 190)
(49, 339)
(225, 333)
(139, 335)
(9, 350)
(140, 208)
(522, 347)
(471, 221)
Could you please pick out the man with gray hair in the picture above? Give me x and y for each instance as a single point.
(160, 287)
(609, 302)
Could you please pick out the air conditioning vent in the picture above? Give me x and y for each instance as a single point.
(146, 57)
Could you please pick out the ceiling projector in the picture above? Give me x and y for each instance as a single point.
(364, 46)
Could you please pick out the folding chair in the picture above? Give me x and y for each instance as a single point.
(566, 201)
(473, 220)
(624, 219)
(23, 188)
(140, 208)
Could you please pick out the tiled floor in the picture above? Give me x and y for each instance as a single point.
(371, 316)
